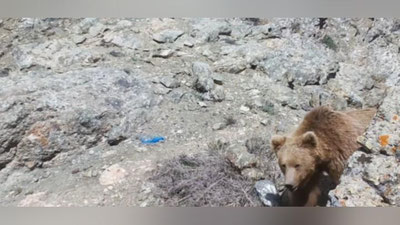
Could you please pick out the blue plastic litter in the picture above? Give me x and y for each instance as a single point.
(152, 140)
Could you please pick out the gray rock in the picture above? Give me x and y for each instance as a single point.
(203, 75)
(240, 157)
(55, 121)
(4, 72)
(96, 29)
(231, 66)
(84, 26)
(283, 64)
(383, 135)
(164, 54)
(207, 30)
(354, 192)
(204, 83)
(167, 36)
(218, 79)
(56, 54)
(217, 94)
(265, 105)
(369, 180)
(218, 126)
(118, 134)
(176, 95)
(188, 44)
(161, 89)
(244, 108)
(267, 193)
(125, 40)
(78, 39)
(320, 97)
(169, 82)
(202, 104)
(265, 122)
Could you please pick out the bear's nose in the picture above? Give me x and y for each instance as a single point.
(289, 187)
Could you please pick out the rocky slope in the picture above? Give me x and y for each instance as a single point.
(76, 96)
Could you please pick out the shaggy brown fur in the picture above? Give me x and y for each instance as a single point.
(322, 142)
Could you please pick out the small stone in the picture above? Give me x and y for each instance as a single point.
(167, 36)
(217, 79)
(218, 94)
(124, 23)
(207, 53)
(116, 53)
(88, 173)
(31, 165)
(188, 44)
(164, 54)
(17, 191)
(169, 82)
(161, 90)
(218, 126)
(29, 192)
(203, 74)
(143, 204)
(4, 72)
(123, 40)
(96, 29)
(244, 108)
(258, 103)
(176, 95)
(265, 122)
(254, 92)
(94, 173)
(268, 107)
(240, 157)
(202, 104)
(79, 39)
(75, 171)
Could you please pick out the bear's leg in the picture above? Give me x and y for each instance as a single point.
(313, 197)
(335, 170)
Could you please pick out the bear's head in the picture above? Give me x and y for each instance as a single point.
(297, 158)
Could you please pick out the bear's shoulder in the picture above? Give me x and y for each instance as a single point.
(321, 118)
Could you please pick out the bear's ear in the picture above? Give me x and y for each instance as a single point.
(309, 139)
(277, 141)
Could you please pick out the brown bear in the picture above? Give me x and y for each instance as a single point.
(323, 141)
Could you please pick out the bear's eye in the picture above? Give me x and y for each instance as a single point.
(297, 166)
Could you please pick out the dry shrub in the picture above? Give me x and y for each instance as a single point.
(203, 180)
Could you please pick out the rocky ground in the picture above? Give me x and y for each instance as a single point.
(77, 95)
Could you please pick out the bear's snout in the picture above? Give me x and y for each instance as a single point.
(290, 179)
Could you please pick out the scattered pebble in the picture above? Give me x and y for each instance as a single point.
(202, 104)
(188, 44)
(164, 54)
(218, 126)
(244, 108)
